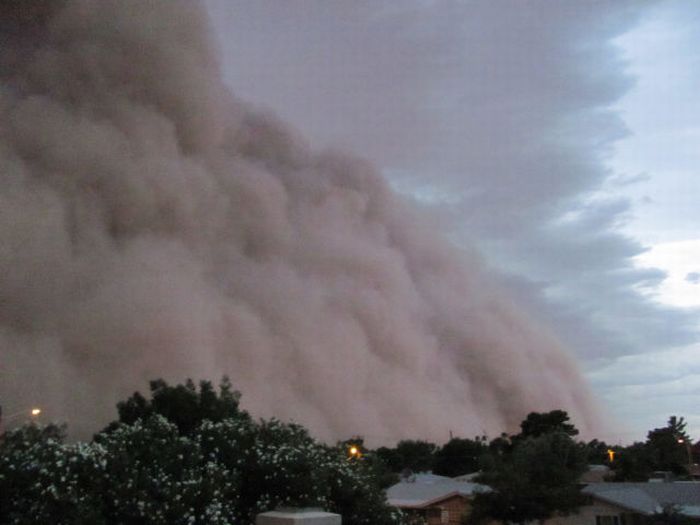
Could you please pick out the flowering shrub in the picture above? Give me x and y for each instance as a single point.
(152, 470)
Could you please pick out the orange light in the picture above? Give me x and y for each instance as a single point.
(354, 451)
(611, 455)
(36, 411)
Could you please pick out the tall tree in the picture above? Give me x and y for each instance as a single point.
(668, 447)
(184, 405)
(537, 424)
(459, 456)
(536, 477)
(415, 455)
(633, 463)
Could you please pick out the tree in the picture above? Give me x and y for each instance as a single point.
(667, 447)
(409, 454)
(597, 452)
(150, 473)
(164, 467)
(537, 424)
(534, 479)
(373, 460)
(633, 463)
(183, 405)
(42, 480)
(459, 456)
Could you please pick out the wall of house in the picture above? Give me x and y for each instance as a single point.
(587, 515)
(448, 511)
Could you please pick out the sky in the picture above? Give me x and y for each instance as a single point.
(557, 139)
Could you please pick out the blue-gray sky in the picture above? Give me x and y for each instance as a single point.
(559, 138)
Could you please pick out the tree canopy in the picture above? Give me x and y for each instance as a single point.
(535, 476)
(537, 424)
(415, 455)
(667, 449)
(459, 456)
(183, 405)
(185, 456)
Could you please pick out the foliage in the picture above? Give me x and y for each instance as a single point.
(666, 449)
(632, 463)
(537, 424)
(459, 456)
(533, 478)
(372, 460)
(183, 405)
(597, 452)
(170, 468)
(415, 455)
(42, 480)
(667, 446)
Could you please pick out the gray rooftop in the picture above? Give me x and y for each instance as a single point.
(423, 489)
(648, 498)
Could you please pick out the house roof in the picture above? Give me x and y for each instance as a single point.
(423, 490)
(649, 498)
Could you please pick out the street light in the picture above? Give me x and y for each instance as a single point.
(34, 412)
(685, 442)
(354, 452)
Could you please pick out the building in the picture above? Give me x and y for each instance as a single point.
(631, 503)
(596, 474)
(432, 499)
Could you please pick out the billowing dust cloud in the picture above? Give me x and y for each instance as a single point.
(155, 226)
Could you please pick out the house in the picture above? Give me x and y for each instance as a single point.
(432, 499)
(631, 503)
(596, 474)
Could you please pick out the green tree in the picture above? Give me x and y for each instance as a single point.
(151, 474)
(633, 463)
(373, 460)
(667, 447)
(537, 424)
(42, 480)
(416, 455)
(183, 405)
(597, 452)
(534, 479)
(167, 468)
(459, 456)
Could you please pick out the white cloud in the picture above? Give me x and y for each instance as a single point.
(681, 261)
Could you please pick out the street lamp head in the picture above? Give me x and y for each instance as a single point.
(354, 452)
(36, 411)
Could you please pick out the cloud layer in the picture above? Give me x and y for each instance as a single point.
(153, 225)
(502, 116)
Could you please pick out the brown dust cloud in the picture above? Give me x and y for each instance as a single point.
(153, 225)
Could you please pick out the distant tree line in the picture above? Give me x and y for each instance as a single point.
(666, 449)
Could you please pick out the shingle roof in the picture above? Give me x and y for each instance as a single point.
(648, 498)
(424, 489)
